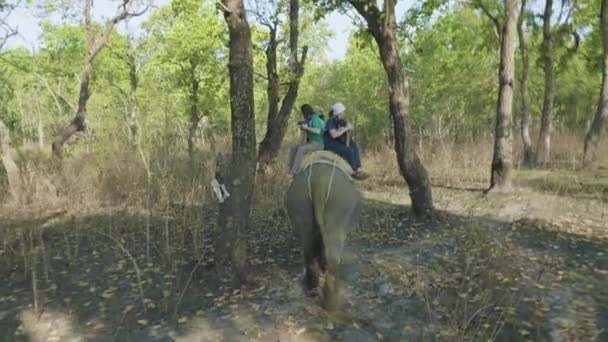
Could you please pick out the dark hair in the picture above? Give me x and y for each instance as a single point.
(307, 110)
(331, 113)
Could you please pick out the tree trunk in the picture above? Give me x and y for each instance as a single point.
(278, 118)
(270, 144)
(503, 137)
(195, 116)
(528, 156)
(132, 111)
(39, 124)
(384, 32)
(240, 178)
(594, 133)
(11, 170)
(544, 136)
(78, 123)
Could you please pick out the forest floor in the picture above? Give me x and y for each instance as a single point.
(530, 265)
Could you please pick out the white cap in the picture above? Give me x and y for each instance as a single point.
(338, 108)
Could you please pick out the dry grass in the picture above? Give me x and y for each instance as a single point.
(161, 224)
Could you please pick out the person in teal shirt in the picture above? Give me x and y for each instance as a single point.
(313, 127)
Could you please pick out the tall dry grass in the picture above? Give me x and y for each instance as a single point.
(466, 163)
(159, 210)
(108, 175)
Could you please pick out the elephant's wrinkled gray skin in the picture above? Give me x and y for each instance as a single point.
(322, 221)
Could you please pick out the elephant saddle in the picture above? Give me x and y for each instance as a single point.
(326, 157)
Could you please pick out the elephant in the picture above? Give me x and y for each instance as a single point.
(323, 206)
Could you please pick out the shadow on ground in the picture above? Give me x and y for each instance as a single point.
(458, 277)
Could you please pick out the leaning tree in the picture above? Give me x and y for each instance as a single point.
(95, 42)
(381, 24)
(598, 125)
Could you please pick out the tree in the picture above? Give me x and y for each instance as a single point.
(240, 176)
(95, 42)
(599, 121)
(10, 168)
(544, 136)
(278, 117)
(382, 25)
(134, 58)
(190, 41)
(458, 49)
(528, 155)
(503, 137)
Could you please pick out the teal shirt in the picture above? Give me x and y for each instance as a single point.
(315, 122)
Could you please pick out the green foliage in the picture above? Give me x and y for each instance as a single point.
(453, 74)
(188, 39)
(449, 51)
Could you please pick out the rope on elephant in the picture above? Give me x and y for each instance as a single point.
(327, 158)
(331, 179)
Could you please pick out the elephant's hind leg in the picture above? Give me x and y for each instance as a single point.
(313, 249)
(337, 225)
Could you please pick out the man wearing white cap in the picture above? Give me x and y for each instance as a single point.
(336, 140)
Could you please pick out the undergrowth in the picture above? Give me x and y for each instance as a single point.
(155, 211)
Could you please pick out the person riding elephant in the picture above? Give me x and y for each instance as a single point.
(313, 127)
(338, 141)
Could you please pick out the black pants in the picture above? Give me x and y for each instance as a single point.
(350, 153)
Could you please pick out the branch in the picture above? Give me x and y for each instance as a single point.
(370, 12)
(223, 7)
(262, 20)
(260, 75)
(479, 4)
(294, 7)
(356, 20)
(561, 12)
(8, 30)
(72, 106)
(300, 70)
(102, 40)
(577, 41)
(120, 90)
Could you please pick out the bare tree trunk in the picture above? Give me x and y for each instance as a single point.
(40, 125)
(544, 136)
(503, 136)
(240, 178)
(132, 111)
(78, 123)
(95, 43)
(528, 157)
(269, 142)
(594, 133)
(383, 27)
(12, 171)
(195, 116)
(278, 118)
